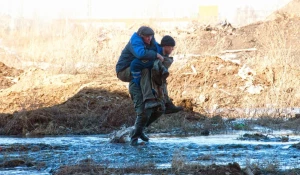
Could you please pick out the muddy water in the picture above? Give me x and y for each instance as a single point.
(44, 155)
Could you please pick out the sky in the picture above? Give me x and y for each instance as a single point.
(111, 9)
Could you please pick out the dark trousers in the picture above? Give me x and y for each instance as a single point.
(145, 85)
(144, 116)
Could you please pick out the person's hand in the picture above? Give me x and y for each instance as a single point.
(161, 58)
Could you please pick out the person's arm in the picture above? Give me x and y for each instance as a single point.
(159, 51)
(161, 58)
(138, 49)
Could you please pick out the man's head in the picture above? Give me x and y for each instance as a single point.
(146, 33)
(168, 44)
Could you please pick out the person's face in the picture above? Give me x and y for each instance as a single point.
(147, 38)
(168, 49)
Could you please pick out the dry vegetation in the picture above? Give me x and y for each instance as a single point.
(59, 78)
(61, 71)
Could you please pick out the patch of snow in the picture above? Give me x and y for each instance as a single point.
(246, 73)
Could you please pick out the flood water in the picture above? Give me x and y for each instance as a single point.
(46, 154)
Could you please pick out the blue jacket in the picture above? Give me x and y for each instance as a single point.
(136, 48)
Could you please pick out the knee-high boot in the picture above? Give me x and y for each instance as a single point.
(140, 123)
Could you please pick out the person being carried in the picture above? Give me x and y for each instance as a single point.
(137, 65)
(142, 45)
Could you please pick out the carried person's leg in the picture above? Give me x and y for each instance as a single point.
(140, 72)
(146, 87)
(125, 75)
(153, 117)
(136, 67)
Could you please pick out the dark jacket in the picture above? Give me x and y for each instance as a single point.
(136, 48)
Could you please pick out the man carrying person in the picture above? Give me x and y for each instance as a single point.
(159, 82)
(143, 45)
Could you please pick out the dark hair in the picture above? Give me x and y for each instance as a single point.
(167, 41)
(144, 30)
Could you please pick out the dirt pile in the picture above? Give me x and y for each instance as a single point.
(210, 83)
(44, 103)
(8, 76)
(37, 88)
(283, 24)
(206, 83)
(288, 11)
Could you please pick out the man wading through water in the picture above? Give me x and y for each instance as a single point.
(142, 46)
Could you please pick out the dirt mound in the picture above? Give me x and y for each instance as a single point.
(214, 39)
(45, 103)
(212, 83)
(8, 76)
(208, 80)
(37, 88)
(288, 11)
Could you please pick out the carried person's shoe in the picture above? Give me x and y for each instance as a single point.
(144, 137)
(171, 108)
(151, 104)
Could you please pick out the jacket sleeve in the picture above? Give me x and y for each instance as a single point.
(138, 49)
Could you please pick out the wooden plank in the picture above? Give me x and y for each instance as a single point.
(239, 50)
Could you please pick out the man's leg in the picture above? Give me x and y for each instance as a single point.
(138, 132)
(170, 107)
(142, 115)
(137, 98)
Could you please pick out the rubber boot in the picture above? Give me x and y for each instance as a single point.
(144, 137)
(140, 123)
(152, 115)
